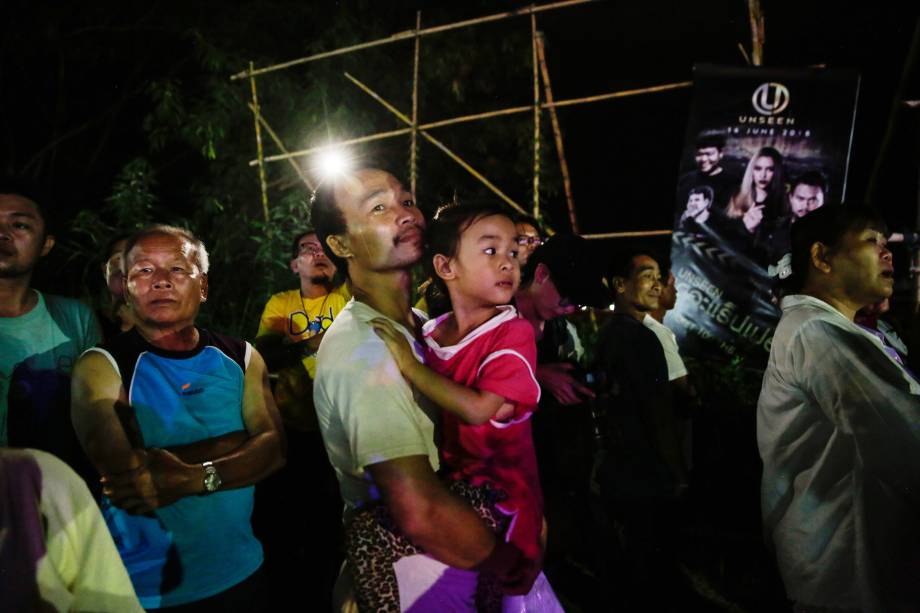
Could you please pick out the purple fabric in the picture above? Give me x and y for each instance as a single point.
(891, 351)
(23, 542)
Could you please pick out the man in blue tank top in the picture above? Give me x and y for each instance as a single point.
(181, 423)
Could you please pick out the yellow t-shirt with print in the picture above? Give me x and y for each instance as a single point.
(298, 320)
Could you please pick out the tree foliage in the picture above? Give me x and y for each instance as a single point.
(173, 142)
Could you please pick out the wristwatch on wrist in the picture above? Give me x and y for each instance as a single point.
(211, 478)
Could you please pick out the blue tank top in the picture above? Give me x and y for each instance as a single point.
(200, 545)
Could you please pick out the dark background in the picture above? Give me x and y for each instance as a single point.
(125, 113)
(77, 104)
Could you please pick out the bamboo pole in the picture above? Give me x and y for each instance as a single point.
(413, 144)
(488, 115)
(280, 146)
(620, 94)
(628, 234)
(408, 35)
(536, 117)
(351, 141)
(259, 152)
(757, 32)
(367, 90)
(557, 134)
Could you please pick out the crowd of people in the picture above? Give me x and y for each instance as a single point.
(147, 463)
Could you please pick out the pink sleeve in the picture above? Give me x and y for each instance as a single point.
(509, 370)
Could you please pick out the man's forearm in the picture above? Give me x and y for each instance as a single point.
(208, 449)
(256, 458)
(454, 534)
(278, 354)
(429, 515)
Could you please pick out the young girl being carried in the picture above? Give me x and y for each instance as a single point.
(481, 359)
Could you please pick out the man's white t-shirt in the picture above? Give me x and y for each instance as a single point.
(367, 411)
(368, 414)
(676, 368)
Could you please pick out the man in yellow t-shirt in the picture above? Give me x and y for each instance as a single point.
(292, 327)
(304, 493)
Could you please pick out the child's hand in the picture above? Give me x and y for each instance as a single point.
(396, 343)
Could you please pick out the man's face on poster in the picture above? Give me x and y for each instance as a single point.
(696, 204)
(707, 159)
(805, 199)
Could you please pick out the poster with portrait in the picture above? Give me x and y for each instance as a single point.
(763, 148)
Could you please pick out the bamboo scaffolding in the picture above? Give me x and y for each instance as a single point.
(413, 144)
(281, 146)
(409, 34)
(488, 115)
(367, 90)
(259, 152)
(351, 141)
(536, 117)
(638, 233)
(557, 134)
(757, 32)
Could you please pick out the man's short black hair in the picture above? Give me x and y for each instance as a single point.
(622, 260)
(812, 178)
(328, 220)
(573, 267)
(710, 138)
(704, 190)
(32, 191)
(531, 221)
(826, 225)
(295, 245)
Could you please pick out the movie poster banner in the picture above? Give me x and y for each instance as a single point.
(763, 148)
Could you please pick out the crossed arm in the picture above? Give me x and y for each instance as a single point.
(278, 352)
(140, 479)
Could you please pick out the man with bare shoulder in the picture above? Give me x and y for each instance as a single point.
(378, 430)
(180, 423)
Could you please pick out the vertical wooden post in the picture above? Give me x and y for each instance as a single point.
(256, 112)
(757, 32)
(557, 133)
(536, 118)
(413, 145)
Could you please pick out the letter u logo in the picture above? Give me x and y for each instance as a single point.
(770, 98)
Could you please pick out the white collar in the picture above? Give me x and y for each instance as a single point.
(506, 313)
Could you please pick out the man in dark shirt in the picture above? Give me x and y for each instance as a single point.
(642, 471)
(709, 171)
(562, 275)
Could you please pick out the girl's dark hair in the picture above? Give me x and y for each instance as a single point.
(452, 220)
(826, 225)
